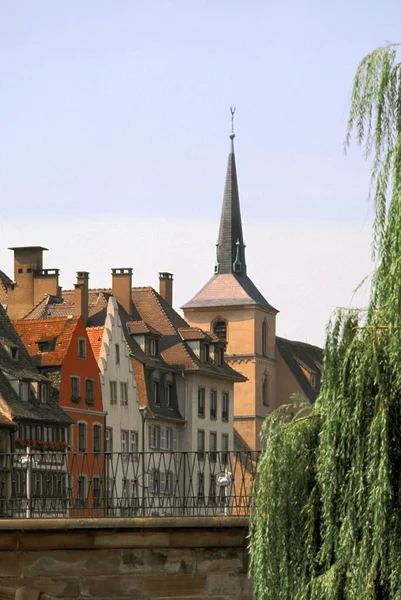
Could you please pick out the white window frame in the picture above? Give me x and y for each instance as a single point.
(133, 445)
(154, 437)
(124, 443)
(108, 440)
(124, 393)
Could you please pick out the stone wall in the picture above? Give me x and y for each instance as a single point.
(160, 558)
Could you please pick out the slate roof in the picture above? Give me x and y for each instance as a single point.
(55, 307)
(298, 355)
(231, 242)
(229, 290)
(60, 330)
(193, 334)
(141, 328)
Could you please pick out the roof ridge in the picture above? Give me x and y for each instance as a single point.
(304, 344)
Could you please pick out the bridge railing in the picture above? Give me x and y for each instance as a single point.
(36, 484)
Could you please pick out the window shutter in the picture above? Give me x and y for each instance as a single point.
(175, 440)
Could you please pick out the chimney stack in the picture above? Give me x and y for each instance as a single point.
(28, 267)
(166, 287)
(122, 287)
(81, 300)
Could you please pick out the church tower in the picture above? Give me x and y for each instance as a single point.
(231, 306)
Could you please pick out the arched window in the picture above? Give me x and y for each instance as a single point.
(265, 390)
(220, 329)
(264, 338)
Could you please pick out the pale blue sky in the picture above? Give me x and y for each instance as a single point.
(114, 122)
(122, 105)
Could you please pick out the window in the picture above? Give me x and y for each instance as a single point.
(81, 496)
(169, 395)
(109, 440)
(124, 393)
(213, 404)
(264, 338)
(82, 348)
(113, 392)
(220, 329)
(212, 489)
(133, 445)
(14, 352)
(155, 391)
(224, 448)
(96, 490)
(213, 446)
(117, 354)
(201, 488)
(44, 392)
(153, 347)
(124, 444)
(154, 437)
(44, 346)
(97, 438)
(24, 391)
(221, 357)
(166, 438)
(81, 437)
(166, 483)
(265, 390)
(225, 407)
(313, 380)
(201, 444)
(154, 481)
(89, 391)
(75, 391)
(201, 402)
(205, 353)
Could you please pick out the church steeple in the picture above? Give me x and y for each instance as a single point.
(230, 251)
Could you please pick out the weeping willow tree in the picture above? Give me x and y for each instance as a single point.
(326, 516)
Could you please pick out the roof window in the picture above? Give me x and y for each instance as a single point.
(14, 352)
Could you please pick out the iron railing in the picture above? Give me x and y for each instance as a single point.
(63, 484)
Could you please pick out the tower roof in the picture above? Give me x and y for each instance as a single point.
(230, 256)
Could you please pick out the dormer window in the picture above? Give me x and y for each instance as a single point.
(24, 391)
(220, 357)
(313, 380)
(153, 347)
(14, 352)
(45, 346)
(205, 352)
(43, 392)
(155, 391)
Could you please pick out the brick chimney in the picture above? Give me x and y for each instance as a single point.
(166, 287)
(122, 287)
(45, 282)
(27, 261)
(81, 299)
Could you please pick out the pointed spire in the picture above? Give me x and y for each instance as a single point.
(230, 247)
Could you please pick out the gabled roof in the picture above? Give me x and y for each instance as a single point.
(23, 368)
(95, 335)
(301, 357)
(229, 290)
(33, 331)
(193, 334)
(141, 328)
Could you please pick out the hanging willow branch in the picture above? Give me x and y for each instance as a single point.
(326, 516)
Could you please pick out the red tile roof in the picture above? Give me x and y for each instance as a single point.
(95, 335)
(33, 331)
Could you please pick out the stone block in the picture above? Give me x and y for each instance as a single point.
(9, 540)
(222, 560)
(203, 538)
(70, 562)
(25, 593)
(131, 539)
(224, 583)
(51, 540)
(112, 586)
(174, 586)
(10, 564)
(56, 586)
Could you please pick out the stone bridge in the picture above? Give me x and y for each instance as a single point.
(131, 558)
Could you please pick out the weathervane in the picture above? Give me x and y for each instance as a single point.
(232, 111)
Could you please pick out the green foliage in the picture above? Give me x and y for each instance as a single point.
(326, 516)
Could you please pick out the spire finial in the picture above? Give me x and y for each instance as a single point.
(232, 134)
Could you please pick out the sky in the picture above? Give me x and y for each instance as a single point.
(114, 123)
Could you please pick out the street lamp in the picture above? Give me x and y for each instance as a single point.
(144, 411)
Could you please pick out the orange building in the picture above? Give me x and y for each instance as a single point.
(62, 351)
